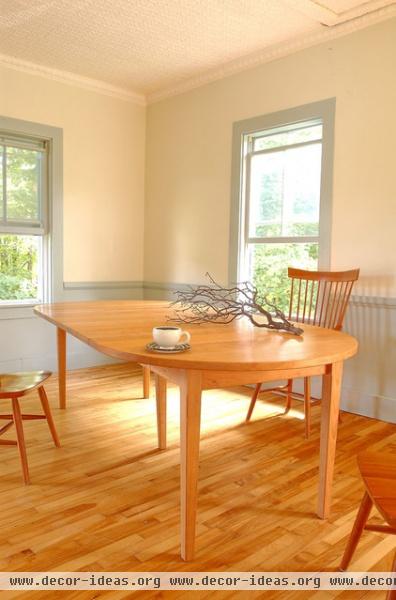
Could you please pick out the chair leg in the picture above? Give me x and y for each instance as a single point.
(307, 406)
(289, 395)
(391, 595)
(16, 411)
(48, 414)
(253, 401)
(360, 522)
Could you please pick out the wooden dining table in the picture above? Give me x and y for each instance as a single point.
(220, 356)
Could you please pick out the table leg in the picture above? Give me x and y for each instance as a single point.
(160, 396)
(190, 420)
(328, 435)
(61, 338)
(146, 382)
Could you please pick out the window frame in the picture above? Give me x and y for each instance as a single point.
(323, 111)
(52, 229)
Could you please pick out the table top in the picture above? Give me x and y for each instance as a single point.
(122, 328)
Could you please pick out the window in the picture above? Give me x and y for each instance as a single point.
(23, 219)
(31, 207)
(283, 198)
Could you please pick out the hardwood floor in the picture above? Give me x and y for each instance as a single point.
(108, 500)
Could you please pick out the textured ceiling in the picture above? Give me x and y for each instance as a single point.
(150, 45)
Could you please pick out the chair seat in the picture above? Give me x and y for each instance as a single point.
(379, 475)
(14, 385)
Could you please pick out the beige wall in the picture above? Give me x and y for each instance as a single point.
(104, 141)
(188, 158)
(188, 166)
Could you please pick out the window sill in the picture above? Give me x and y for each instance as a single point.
(17, 311)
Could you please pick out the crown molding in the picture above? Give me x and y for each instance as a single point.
(274, 53)
(93, 85)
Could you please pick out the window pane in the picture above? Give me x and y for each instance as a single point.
(284, 192)
(286, 138)
(23, 183)
(268, 263)
(19, 267)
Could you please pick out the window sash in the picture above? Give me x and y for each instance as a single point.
(34, 226)
(20, 225)
(278, 129)
(283, 148)
(41, 295)
(246, 187)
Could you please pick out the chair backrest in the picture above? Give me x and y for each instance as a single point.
(320, 297)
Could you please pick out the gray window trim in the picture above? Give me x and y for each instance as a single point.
(54, 137)
(324, 110)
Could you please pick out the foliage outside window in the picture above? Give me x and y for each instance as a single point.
(281, 188)
(23, 217)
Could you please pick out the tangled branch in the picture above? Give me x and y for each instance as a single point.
(214, 304)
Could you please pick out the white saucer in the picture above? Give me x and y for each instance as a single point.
(153, 347)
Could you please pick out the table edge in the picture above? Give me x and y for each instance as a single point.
(169, 361)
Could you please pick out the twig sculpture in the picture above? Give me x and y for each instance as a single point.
(214, 304)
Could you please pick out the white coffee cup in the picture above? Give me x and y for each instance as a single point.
(167, 336)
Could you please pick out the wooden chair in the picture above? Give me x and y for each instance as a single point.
(318, 298)
(12, 387)
(378, 471)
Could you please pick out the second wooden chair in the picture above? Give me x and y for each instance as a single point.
(317, 298)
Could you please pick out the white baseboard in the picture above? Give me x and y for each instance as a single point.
(376, 407)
